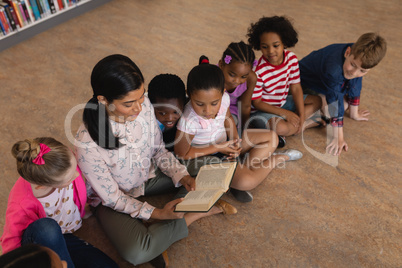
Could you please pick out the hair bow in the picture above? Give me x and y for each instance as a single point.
(227, 59)
(44, 149)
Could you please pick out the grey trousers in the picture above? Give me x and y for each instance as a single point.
(136, 242)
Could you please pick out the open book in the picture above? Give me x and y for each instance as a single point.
(211, 183)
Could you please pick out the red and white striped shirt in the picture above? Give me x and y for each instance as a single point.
(273, 82)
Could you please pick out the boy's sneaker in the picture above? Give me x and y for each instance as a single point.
(241, 196)
(203, 59)
(282, 142)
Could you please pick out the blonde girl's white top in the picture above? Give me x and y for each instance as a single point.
(205, 131)
(60, 206)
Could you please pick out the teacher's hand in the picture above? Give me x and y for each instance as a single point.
(188, 182)
(167, 213)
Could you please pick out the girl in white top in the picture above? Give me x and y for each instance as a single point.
(207, 128)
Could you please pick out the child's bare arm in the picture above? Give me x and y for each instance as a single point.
(297, 93)
(245, 98)
(338, 143)
(358, 115)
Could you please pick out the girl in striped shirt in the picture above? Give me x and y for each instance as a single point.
(278, 72)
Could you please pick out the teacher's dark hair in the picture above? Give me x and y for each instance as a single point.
(113, 77)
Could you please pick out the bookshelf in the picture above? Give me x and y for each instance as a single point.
(46, 23)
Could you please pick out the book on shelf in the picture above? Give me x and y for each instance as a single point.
(10, 17)
(211, 182)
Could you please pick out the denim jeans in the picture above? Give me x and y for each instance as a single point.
(76, 252)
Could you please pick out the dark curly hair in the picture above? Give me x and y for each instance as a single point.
(279, 25)
(166, 86)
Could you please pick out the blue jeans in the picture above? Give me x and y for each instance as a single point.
(260, 119)
(76, 252)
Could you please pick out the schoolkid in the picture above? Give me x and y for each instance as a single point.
(46, 204)
(167, 94)
(277, 73)
(207, 130)
(335, 72)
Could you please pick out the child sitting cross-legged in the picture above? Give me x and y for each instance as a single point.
(167, 94)
(46, 204)
(206, 133)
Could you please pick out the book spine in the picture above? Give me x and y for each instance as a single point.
(56, 4)
(51, 6)
(35, 9)
(25, 9)
(17, 12)
(46, 7)
(21, 10)
(13, 13)
(3, 31)
(4, 22)
(29, 10)
(39, 8)
(9, 28)
(9, 15)
(61, 6)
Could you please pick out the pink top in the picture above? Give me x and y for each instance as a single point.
(234, 97)
(24, 208)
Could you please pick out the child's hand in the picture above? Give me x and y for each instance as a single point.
(300, 127)
(336, 146)
(188, 182)
(292, 118)
(360, 115)
(230, 148)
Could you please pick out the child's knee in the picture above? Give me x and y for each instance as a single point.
(45, 229)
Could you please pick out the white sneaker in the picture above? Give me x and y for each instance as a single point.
(292, 153)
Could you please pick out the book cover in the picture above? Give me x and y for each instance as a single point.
(211, 182)
(9, 15)
(45, 6)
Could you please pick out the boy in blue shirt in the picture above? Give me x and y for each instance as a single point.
(336, 72)
(167, 94)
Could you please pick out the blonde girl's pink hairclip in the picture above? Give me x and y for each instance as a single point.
(44, 149)
(228, 59)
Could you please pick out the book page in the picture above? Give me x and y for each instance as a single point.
(211, 179)
(199, 200)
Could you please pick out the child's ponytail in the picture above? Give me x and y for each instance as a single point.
(41, 160)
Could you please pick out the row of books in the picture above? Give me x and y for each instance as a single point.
(17, 14)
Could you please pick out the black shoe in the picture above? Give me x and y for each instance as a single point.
(158, 262)
(203, 59)
(241, 196)
(282, 142)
